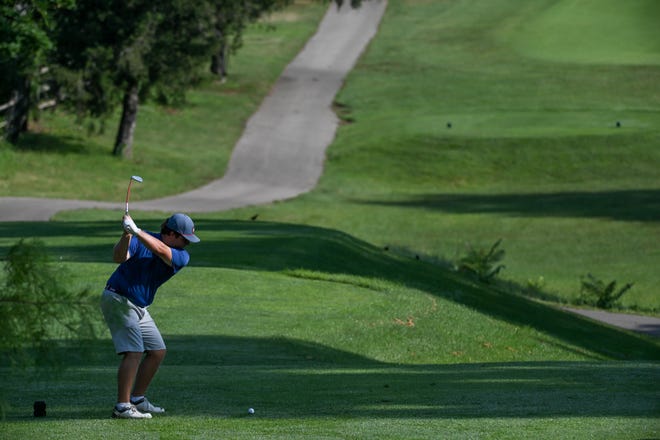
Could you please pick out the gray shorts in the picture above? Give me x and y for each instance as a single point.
(132, 327)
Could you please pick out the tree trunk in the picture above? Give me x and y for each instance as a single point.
(219, 63)
(17, 116)
(124, 141)
(219, 59)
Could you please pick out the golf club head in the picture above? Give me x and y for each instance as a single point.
(128, 192)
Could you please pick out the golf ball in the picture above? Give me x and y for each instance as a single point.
(250, 410)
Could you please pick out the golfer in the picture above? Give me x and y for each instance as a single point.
(146, 260)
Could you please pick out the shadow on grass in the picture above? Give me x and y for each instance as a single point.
(624, 205)
(277, 247)
(285, 378)
(222, 376)
(52, 144)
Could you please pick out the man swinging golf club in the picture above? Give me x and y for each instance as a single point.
(146, 260)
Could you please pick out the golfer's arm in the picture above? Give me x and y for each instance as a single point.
(120, 251)
(156, 246)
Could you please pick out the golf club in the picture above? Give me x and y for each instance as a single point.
(128, 193)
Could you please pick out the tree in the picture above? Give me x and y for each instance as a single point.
(38, 308)
(24, 48)
(118, 52)
(230, 20)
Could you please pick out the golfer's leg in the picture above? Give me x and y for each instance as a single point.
(147, 371)
(155, 350)
(128, 368)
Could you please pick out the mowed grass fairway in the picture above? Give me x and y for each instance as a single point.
(330, 337)
(304, 316)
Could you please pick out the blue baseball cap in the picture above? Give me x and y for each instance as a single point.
(184, 225)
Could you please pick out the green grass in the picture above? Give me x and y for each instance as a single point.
(328, 336)
(299, 398)
(533, 155)
(305, 316)
(592, 31)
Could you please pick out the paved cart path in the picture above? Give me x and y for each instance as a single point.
(642, 324)
(281, 152)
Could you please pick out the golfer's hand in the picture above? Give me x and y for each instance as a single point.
(130, 226)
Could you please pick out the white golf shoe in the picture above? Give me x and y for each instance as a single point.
(129, 413)
(145, 406)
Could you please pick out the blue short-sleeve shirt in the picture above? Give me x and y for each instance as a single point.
(143, 273)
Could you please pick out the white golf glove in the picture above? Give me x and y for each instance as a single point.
(130, 226)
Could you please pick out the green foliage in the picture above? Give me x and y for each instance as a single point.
(483, 263)
(113, 50)
(155, 48)
(24, 39)
(37, 308)
(596, 292)
(25, 44)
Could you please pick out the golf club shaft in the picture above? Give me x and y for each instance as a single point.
(128, 192)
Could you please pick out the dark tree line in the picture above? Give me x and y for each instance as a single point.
(104, 54)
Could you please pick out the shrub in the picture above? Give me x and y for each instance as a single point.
(37, 309)
(603, 295)
(483, 263)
